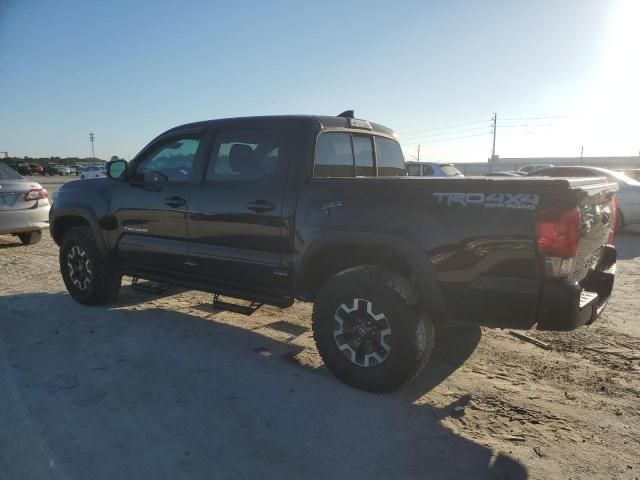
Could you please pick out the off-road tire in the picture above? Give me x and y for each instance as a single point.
(29, 238)
(412, 333)
(106, 272)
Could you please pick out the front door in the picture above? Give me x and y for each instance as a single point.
(151, 208)
(235, 214)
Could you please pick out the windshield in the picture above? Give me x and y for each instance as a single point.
(451, 171)
(7, 173)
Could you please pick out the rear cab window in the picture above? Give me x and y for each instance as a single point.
(346, 154)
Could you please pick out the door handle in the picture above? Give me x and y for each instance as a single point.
(175, 201)
(261, 206)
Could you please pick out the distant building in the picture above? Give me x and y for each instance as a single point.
(499, 164)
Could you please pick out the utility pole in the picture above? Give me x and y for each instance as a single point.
(418, 152)
(581, 152)
(495, 125)
(91, 139)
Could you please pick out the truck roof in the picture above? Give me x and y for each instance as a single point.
(320, 122)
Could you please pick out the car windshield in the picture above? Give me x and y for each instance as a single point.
(7, 173)
(451, 171)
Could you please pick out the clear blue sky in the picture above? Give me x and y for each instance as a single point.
(127, 70)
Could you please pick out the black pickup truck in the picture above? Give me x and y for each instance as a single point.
(317, 208)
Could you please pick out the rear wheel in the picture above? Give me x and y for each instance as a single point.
(90, 275)
(29, 238)
(369, 331)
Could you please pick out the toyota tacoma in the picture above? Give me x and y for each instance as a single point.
(272, 209)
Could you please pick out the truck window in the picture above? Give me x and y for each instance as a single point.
(334, 157)
(389, 158)
(173, 160)
(363, 151)
(239, 155)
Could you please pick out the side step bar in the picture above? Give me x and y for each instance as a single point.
(234, 307)
(155, 288)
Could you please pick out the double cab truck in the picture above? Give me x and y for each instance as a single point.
(272, 209)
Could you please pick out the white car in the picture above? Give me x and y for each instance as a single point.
(628, 189)
(431, 169)
(24, 207)
(93, 172)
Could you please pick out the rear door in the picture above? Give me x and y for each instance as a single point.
(235, 213)
(151, 210)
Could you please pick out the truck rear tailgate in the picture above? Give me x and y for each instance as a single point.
(578, 283)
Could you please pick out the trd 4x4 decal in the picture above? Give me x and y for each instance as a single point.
(525, 201)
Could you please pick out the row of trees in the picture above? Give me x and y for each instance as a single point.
(52, 160)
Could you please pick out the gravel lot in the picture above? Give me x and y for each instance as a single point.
(167, 387)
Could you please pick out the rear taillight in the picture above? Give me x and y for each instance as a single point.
(613, 223)
(558, 235)
(36, 194)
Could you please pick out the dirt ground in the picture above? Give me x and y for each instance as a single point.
(167, 387)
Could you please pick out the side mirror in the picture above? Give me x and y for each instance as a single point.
(117, 169)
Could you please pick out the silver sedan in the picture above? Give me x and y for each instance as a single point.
(24, 206)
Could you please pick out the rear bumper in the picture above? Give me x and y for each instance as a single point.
(567, 306)
(28, 220)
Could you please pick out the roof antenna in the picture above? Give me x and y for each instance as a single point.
(347, 114)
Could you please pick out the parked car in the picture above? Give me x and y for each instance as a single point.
(93, 172)
(36, 169)
(75, 169)
(506, 173)
(632, 172)
(430, 169)
(532, 168)
(24, 206)
(628, 212)
(59, 170)
(269, 210)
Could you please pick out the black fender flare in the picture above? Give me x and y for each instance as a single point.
(410, 250)
(84, 212)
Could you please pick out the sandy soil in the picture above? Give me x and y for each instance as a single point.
(167, 387)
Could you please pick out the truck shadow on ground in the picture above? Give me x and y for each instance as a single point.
(114, 393)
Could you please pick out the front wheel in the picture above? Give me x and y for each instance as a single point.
(91, 277)
(369, 331)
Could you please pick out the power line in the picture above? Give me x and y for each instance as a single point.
(530, 125)
(447, 139)
(443, 128)
(537, 118)
(455, 132)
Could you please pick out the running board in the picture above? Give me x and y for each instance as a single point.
(155, 288)
(234, 307)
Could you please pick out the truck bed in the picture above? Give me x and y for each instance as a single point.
(477, 234)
